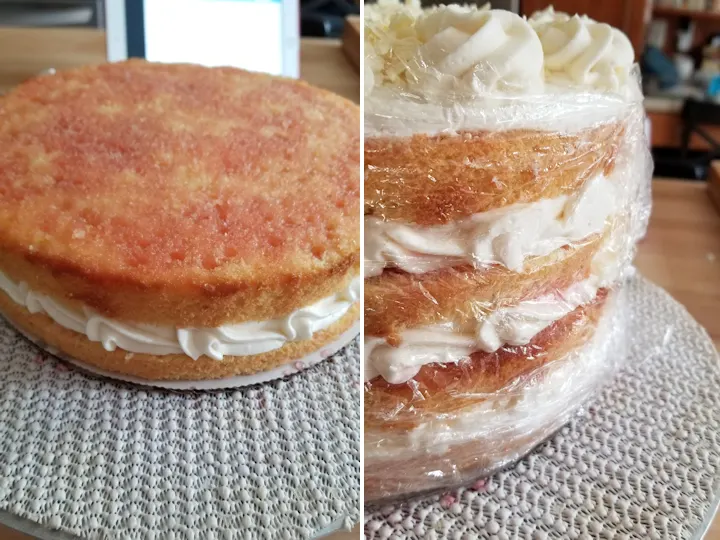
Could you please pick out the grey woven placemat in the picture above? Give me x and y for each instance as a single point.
(643, 462)
(105, 460)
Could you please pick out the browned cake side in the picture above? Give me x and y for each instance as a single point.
(168, 367)
(395, 301)
(177, 194)
(389, 476)
(445, 389)
(437, 179)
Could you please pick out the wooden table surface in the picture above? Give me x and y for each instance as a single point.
(25, 52)
(681, 251)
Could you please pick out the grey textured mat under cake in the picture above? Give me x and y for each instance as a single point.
(643, 462)
(100, 459)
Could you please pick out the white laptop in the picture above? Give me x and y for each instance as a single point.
(257, 35)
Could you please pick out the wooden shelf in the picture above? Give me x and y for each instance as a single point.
(697, 14)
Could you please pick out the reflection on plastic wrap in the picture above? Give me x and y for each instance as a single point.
(503, 206)
(456, 422)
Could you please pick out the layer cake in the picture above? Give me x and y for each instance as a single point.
(175, 222)
(506, 183)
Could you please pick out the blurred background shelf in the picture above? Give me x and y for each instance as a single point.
(52, 13)
(698, 14)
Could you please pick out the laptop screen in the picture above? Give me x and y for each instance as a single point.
(258, 35)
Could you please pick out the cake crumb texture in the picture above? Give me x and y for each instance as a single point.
(178, 178)
(443, 390)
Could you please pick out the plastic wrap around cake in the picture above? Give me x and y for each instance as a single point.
(507, 177)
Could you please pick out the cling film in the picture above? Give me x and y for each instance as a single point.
(506, 187)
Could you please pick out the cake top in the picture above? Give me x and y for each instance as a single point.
(466, 51)
(149, 172)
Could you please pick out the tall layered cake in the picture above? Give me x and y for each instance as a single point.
(175, 222)
(506, 184)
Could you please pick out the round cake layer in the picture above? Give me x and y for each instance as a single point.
(166, 367)
(438, 448)
(437, 179)
(447, 389)
(177, 194)
(506, 236)
(238, 339)
(396, 301)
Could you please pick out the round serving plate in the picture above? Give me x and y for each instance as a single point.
(642, 462)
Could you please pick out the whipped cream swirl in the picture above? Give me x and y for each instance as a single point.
(583, 52)
(482, 51)
(549, 15)
(456, 52)
(506, 236)
(458, 49)
(240, 339)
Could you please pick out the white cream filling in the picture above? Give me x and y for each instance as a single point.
(506, 236)
(521, 408)
(240, 339)
(511, 325)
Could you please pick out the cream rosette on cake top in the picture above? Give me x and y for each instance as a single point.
(458, 49)
(583, 52)
(449, 68)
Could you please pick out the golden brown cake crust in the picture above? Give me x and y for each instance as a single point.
(395, 301)
(177, 194)
(169, 367)
(448, 388)
(430, 180)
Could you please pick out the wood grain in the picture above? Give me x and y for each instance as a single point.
(681, 251)
(9, 534)
(324, 64)
(667, 129)
(351, 39)
(714, 183)
(699, 14)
